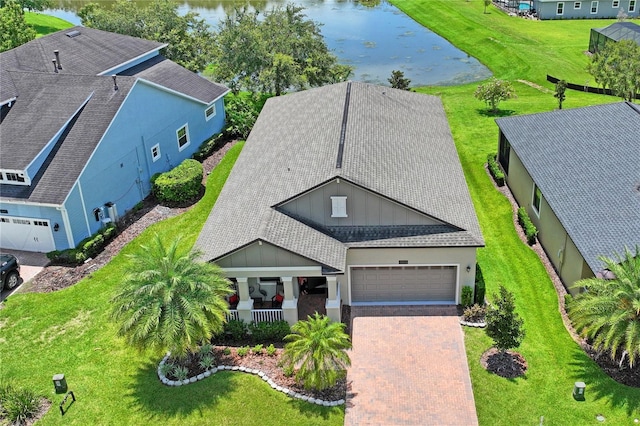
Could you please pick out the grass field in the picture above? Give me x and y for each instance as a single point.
(45, 24)
(507, 46)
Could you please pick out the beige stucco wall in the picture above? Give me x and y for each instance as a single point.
(364, 208)
(459, 256)
(559, 247)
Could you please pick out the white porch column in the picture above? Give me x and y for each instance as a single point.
(333, 299)
(245, 305)
(290, 303)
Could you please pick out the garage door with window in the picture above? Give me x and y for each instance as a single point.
(403, 284)
(28, 234)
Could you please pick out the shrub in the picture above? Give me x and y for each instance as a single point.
(241, 111)
(180, 184)
(529, 228)
(89, 247)
(226, 351)
(495, 170)
(208, 147)
(474, 313)
(205, 349)
(18, 405)
(206, 362)
(287, 370)
(568, 300)
(243, 351)
(480, 286)
(467, 296)
(166, 368)
(271, 350)
(180, 372)
(237, 329)
(264, 332)
(257, 349)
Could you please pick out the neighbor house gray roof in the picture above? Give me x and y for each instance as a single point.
(586, 162)
(396, 144)
(43, 101)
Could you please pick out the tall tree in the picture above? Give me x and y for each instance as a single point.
(493, 92)
(559, 93)
(281, 51)
(14, 30)
(30, 4)
(318, 347)
(398, 80)
(170, 301)
(190, 38)
(617, 67)
(609, 310)
(504, 325)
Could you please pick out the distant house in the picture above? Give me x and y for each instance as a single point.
(613, 33)
(577, 172)
(353, 188)
(596, 9)
(87, 118)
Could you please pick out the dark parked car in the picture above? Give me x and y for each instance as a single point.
(10, 271)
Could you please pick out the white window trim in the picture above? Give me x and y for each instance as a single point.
(156, 157)
(339, 206)
(596, 3)
(615, 4)
(632, 6)
(209, 117)
(533, 198)
(577, 5)
(560, 8)
(186, 127)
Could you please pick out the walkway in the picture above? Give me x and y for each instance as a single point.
(409, 371)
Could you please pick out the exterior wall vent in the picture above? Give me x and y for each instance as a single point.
(403, 262)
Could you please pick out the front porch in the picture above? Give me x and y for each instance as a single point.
(275, 298)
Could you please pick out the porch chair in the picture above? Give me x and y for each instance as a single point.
(276, 301)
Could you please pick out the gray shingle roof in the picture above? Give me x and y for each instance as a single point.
(586, 162)
(621, 31)
(397, 144)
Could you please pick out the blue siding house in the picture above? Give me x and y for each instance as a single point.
(87, 117)
(590, 9)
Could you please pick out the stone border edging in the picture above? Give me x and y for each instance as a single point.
(242, 369)
(473, 324)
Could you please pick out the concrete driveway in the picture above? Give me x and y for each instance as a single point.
(409, 371)
(30, 265)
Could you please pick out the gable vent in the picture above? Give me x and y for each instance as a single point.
(74, 33)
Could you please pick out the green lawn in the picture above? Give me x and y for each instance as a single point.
(69, 332)
(45, 24)
(506, 45)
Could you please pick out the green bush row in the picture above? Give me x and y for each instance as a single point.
(261, 332)
(495, 170)
(529, 228)
(88, 248)
(209, 146)
(180, 184)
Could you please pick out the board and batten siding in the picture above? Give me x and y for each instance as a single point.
(263, 255)
(364, 208)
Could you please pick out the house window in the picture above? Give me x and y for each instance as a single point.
(560, 8)
(615, 4)
(16, 177)
(594, 7)
(183, 137)
(339, 207)
(577, 5)
(210, 112)
(632, 5)
(537, 199)
(155, 152)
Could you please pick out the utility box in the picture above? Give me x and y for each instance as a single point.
(60, 383)
(578, 391)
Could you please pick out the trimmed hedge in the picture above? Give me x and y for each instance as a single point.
(269, 332)
(480, 286)
(180, 184)
(88, 248)
(529, 228)
(209, 146)
(495, 170)
(467, 296)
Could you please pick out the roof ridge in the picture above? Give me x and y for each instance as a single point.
(343, 129)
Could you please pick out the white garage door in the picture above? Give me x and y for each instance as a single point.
(403, 284)
(21, 233)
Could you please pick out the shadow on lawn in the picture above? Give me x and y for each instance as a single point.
(500, 113)
(600, 385)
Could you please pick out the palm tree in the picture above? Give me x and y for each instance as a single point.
(609, 311)
(170, 301)
(318, 347)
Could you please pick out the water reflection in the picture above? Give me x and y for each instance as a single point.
(372, 35)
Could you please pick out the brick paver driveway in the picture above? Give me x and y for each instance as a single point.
(409, 371)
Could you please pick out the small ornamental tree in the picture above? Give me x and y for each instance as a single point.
(493, 92)
(398, 81)
(486, 4)
(504, 325)
(559, 93)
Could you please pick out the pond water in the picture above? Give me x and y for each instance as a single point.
(375, 39)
